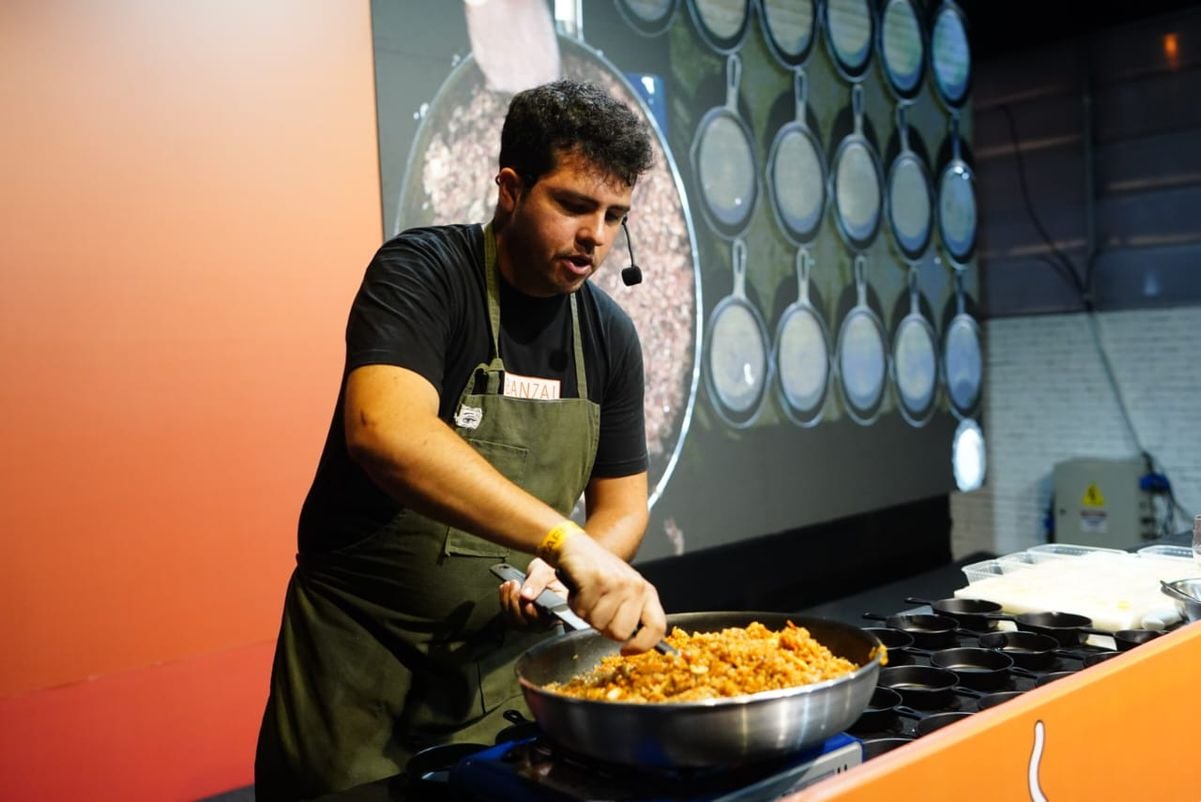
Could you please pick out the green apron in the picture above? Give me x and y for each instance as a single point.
(396, 642)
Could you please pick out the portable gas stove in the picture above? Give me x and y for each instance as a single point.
(536, 769)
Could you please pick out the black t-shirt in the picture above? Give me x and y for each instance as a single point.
(423, 306)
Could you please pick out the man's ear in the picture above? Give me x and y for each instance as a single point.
(509, 189)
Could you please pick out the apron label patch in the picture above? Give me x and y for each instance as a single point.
(469, 417)
(531, 387)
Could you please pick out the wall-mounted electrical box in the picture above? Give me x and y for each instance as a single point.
(1098, 502)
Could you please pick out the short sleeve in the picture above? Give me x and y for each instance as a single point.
(404, 311)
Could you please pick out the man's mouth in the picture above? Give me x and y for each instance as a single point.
(581, 263)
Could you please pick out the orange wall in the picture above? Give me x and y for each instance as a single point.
(189, 196)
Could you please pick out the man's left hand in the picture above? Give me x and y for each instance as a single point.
(517, 600)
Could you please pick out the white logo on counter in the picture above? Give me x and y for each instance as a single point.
(1036, 757)
(531, 387)
(469, 417)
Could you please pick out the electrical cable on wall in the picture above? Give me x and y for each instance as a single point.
(1155, 480)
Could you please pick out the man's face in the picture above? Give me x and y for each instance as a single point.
(563, 226)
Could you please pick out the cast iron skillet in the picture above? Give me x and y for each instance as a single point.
(862, 355)
(796, 172)
(976, 668)
(856, 181)
(737, 357)
(1029, 650)
(723, 25)
(968, 613)
(902, 47)
(929, 722)
(724, 162)
(927, 631)
(874, 747)
(994, 699)
(880, 713)
(909, 196)
(950, 55)
(801, 353)
(647, 19)
(921, 687)
(850, 34)
(896, 641)
(914, 364)
(790, 29)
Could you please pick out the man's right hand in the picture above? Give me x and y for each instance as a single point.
(610, 595)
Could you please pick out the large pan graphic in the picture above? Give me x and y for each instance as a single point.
(801, 355)
(862, 358)
(790, 28)
(723, 159)
(448, 179)
(915, 360)
(736, 351)
(796, 173)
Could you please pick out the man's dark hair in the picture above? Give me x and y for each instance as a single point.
(570, 116)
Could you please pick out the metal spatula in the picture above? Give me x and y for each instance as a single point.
(550, 602)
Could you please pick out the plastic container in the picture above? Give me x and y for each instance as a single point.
(1056, 551)
(986, 569)
(1166, 552)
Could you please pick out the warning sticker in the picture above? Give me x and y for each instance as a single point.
(1092, 496)
(1094, 522)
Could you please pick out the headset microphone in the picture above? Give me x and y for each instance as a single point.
(633, 274)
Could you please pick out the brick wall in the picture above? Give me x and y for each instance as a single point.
(1047, 399)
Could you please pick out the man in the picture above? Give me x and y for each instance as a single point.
(487, 385)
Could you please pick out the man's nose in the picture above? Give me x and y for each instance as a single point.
(593, 232)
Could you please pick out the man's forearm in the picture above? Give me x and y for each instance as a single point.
(393, 432)
(617, 513)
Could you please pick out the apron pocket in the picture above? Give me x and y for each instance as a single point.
(510, 461)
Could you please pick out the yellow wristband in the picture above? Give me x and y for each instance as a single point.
(552, 544)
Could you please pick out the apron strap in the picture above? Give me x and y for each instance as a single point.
(490, 274)
(581, 375)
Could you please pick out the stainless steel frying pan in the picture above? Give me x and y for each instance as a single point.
(693, 734)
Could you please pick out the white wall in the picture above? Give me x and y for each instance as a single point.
(1047, 399)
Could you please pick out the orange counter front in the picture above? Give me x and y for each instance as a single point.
(1123, 729)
